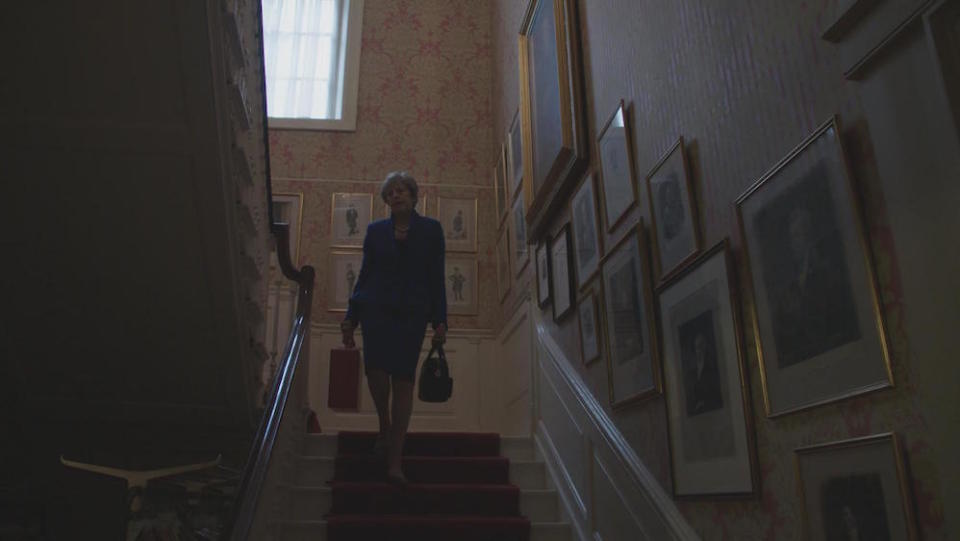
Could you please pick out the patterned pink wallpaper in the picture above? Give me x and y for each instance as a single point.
(744, 82)
(424, 106)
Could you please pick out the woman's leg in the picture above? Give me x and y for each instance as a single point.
(402, 407)
(379, 383)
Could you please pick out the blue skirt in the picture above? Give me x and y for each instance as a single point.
(392, 341)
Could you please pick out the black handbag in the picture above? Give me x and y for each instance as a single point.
(436, 385)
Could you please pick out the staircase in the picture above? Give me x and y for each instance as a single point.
(463, 486)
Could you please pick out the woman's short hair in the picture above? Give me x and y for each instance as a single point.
(405, 179)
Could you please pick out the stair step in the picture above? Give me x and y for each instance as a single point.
(426, 443)
(314, 471)
(517, 448)
(435, 528)
(316, 530)
(307, 503)
(419, 469)
(528, 474)
(320, 445)
(425, 499)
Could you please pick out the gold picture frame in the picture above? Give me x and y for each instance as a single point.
(816, 304)
(636, 365)
(350, 214)
(587, 238)
(339, 282)
(860, 484)
(589, 306)
(616, 168)
(552, 109)
(710, 428)
(500, 187)
(458, 217)
(504, 276)
(462, 270)
(674, 221)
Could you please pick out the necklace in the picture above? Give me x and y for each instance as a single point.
(400, 229)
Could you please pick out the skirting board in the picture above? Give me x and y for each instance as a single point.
(654, 514)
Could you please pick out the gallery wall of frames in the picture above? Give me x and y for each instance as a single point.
(705, 216)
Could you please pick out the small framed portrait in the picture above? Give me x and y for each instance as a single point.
(461, 276)
(563, 290)
(589, 328)
(515, 148)
(423, 208)
(288, 209)
(675, 226)
(458, 217)
(520, 252)
(617, 176)
(586, 235)
(856, 489)
(344, 271)
(630, 324)
(816, 312)
(712, 447)
(350, 215)
(543, 275)
(504, 278)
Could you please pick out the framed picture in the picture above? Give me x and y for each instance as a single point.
(503, 263)
(344, 271)
(589, 328)
(521, 254)
(856, 489)
(350, 215)
(543, 275)
(515, 147)
(462, 278)
(712, 447)
(563, 290)
(555, 140)
(586, 236)
(673, 213)
(288, 209)
(630, 325)
(459, 220)
(816, 311)
(423, 208)
(615, 156)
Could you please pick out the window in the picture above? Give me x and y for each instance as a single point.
(312, 54)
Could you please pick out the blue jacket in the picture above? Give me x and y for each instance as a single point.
(412, 284)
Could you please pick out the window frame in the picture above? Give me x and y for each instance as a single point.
(350, 60)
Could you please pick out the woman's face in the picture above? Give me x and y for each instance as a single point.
(399, 198)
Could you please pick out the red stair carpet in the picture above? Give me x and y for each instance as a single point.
(459, 490)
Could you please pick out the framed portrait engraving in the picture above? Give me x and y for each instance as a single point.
(344, 271)
(617, 176)
(543, 275)
(458, 217)
(503, 263)
(856, 489)
(288, 209)
(462, 279)
(520, 253)
(675, 226)
(500, 187)
(586, 236)
(589, 328)
(515, 148)
(563, 290)
(552, 120)
(632, 368)
(712, 449)
(350, 215)
(817, 317)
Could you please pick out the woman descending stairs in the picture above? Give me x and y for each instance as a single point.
(462, 486)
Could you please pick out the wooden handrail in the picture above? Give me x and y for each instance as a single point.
(255, 471)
